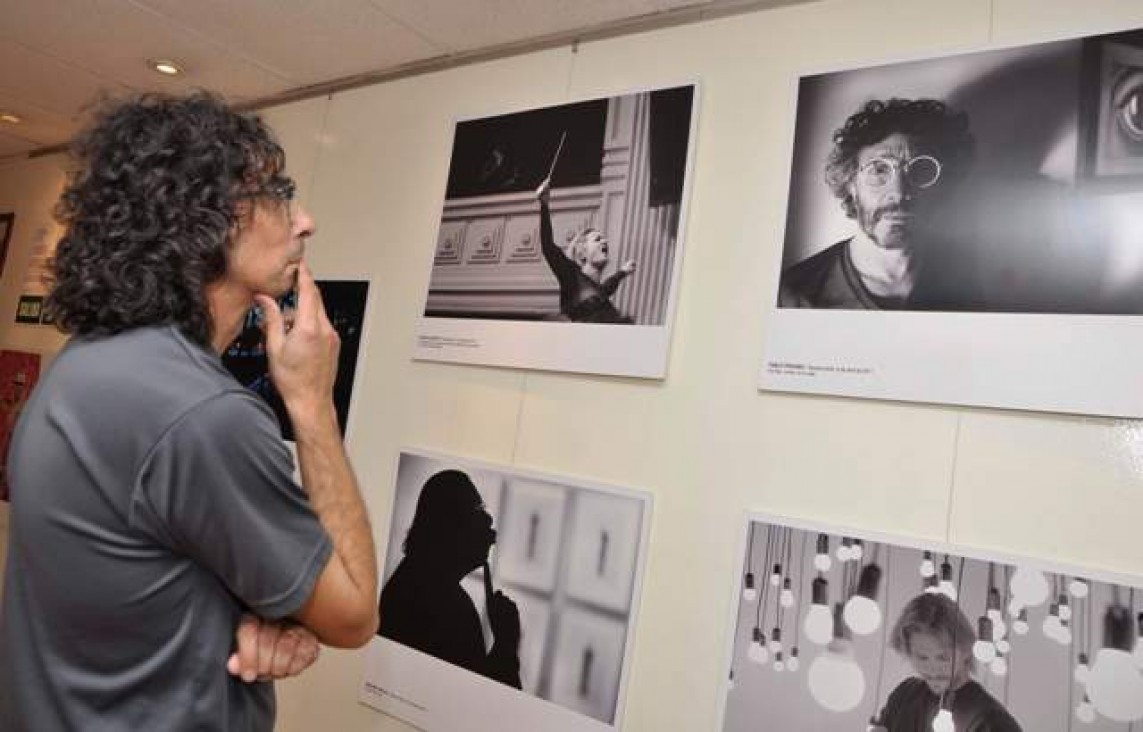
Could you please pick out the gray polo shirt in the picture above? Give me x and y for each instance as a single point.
(152, 502)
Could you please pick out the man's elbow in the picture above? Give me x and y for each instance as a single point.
(353, 629)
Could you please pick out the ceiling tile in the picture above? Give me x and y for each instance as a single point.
(307, 40)
(466, 26)
(48, 83)
(80, 33)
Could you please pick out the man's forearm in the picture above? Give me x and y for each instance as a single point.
(334, 495)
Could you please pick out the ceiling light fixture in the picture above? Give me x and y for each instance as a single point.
(165, 67)
(10, 118)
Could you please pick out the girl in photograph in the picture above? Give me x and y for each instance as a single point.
(936, 638)
(585, 294)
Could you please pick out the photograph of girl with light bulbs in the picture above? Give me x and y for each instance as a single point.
(839, 632)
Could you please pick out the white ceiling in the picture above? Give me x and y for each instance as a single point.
(59, 56)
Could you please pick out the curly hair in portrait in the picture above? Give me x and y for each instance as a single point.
(160, 187)
(939, 130)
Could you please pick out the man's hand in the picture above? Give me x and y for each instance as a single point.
(268, 651)
(504, 619)
(544, 191)
(302, 353)
(628, 267)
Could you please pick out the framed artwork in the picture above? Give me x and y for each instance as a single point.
(603, 551)
(445, 657)
(964, 230)
(560, 238)
(19, 372)
(7, 223)
(532, 534)
(838, 629)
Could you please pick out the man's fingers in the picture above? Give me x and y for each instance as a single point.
(247, 655)
(268, 638)
(305, 652)
(273, 324)
(284, 651)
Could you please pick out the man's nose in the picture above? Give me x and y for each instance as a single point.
(304, 224)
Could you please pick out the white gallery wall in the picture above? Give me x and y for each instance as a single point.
(371, 166)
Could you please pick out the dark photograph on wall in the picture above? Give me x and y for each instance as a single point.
(567, 215)
(7, 223)
(501, 587)
(1001, 181)
(245, 358)
(836, 631)
(968, 230)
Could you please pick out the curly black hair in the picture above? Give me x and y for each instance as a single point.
(150, 209)
(942, 132)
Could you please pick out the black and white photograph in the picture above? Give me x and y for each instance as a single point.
(508, 599)
(560, 236)
(966, 229)
(245, 358)
(840, 630)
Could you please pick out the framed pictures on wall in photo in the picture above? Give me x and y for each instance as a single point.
(836, 629)
(561, 236)
(966, 229)
(486, 621)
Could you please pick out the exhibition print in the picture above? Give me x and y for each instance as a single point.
(560, 237)
(245, 358)
(508, 599)
(838, 631)
(967, 229)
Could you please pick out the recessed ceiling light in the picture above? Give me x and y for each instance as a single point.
(12, 119)
(166, 67)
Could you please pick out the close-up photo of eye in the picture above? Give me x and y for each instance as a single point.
(1127, 103)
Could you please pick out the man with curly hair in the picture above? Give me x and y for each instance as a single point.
(891, 162)
(158, 539)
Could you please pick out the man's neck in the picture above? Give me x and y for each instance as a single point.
(595, 274)
(228, 306)
(884, 272)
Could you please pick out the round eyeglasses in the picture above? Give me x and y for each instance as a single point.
(922, 171)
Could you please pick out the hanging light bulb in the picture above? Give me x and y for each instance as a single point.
(793, 662)
(779, 663)
(1064, 608)
(928, 569)
(1002, 645)
(776, 575)
(1030, 586)
(1020, 624)
(786, 598)
(835, 680)
(857, 551)
(1082, 671)
(999, 628)
(984, 650)
(757, 651)
(818, 625)
(1014, 606)
(943, 722)
(1137, 654)
(999, 666)
(932, 584)
(749, 591)
(946, 586)
(775, 645)
(844, 552)
(730, 682)
(1078, 588)
(1085, 711)
(875, 725)
(822, 562)
(1115, 685)
(1064, 634)
(1052, 625)
(862, 613)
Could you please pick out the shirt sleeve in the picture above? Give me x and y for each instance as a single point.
(218, 487)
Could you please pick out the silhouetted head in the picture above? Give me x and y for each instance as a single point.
(451, 526)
